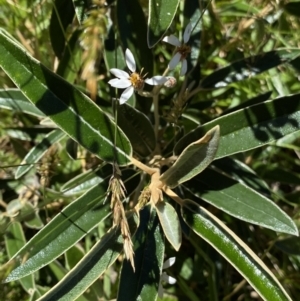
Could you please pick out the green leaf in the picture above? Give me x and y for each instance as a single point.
(68, 227)
(193, 160)
(193, 15)
(86, 180)
(249, 67)
(71, 110)
(15, 240)
(290, 245)
(251, 127)
(71, 60)
(170, 223)
(91, 267)
(289, 141)
(233, 249)
(14, 99)
(161, 15)
(62, 15)
(133, 33)
(138, 128)
(242, 173)
(149, 249)
(37, 152)
(275, 173)
(249, 102)
(32, 134)
(240, 201)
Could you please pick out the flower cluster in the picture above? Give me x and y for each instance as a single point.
(134, 81)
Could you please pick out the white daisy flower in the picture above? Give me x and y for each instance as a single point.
(164, 277)
(133, 81)
(182, 50)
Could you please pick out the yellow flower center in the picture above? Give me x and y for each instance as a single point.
(137, 81)
(184, 50)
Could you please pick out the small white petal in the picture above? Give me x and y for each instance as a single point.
(120, 83)
(166, 278)
(126, 95)
(172, 40)
(156, 80)
(174, 61)
(169, 262)
(171, 280)
(119, 73)
(160, 291)
(187, 33)
(183, 68)
(130, 60)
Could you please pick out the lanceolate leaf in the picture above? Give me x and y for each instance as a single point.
(251, 127)
(193, 15)
(71, 110)
(241, 201)
(170, 223)
(38, 151)
(62, 15)
(193, 160)
(161, 15)
(149, 249)
(91, 267)
(14, 99)
(138, 129)
(68, 227)
(233, 249)
(242, 173)
(133, 33)
(15, 240)
(248, 67)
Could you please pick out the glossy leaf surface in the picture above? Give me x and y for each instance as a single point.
(170, 223)
(91, 267)
(14, 241)
(138, 128)
(161, 15)
(68, 227)
(193, 160)
(14, 99)
(251, 127)
(38, 151)
(233, 249)
(241, 201)
(149, 256)
(71, 110)
(248, 67)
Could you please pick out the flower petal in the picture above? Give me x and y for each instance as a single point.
(130, 60)
(168, 279)
(160, 291)
(171, 280)
(126, 95)
(183, 67)
(169, 262)
(172, 40)
(174, 61)
(120, 83)
(119, 73)
(187, 33)
(156, 80)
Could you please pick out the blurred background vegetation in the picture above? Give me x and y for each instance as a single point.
(231, 30)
